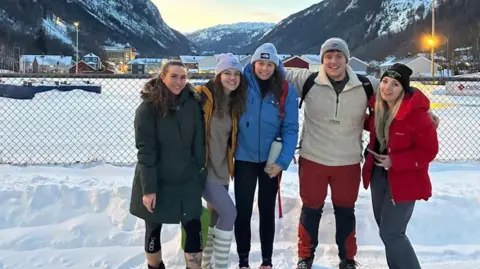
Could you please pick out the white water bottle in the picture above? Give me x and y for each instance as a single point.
(275, 150)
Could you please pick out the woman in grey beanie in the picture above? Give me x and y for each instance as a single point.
(271, 114)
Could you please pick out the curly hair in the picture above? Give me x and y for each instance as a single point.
(156, 91)
(276, 82)
(237, 101)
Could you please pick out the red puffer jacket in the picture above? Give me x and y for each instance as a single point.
(413, 144)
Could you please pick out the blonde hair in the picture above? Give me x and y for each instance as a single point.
(384, 117)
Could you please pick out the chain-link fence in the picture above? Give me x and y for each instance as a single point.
(95, 123)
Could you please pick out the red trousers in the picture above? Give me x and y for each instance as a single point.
(344, 182)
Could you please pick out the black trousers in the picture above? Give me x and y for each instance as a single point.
(246, 176)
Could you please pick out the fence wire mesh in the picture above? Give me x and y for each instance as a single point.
(80, 126)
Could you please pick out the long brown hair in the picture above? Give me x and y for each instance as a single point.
(156, 91)
(237, 100)
(276, 82)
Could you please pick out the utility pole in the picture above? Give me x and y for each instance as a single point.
(76, 65)
(432, 49)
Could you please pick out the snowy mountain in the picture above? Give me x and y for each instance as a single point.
(228, 37)
(374, 28)
(50, 24)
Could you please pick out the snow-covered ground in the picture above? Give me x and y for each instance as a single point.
(77, 217)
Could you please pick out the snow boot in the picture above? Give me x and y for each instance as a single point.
(348, 264)
(160, 266)
(222, 241)
(305, 263)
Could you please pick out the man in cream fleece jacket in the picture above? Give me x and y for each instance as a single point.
(331, 150)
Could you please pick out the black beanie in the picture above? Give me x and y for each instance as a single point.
(401, 73)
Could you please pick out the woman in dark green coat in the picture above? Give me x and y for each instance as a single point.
(170, 174)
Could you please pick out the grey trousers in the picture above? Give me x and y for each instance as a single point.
(224, 212)
(392, 220)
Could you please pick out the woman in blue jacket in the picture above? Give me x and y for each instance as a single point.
(271, 112)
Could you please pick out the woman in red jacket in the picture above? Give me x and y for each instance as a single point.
(403, 142)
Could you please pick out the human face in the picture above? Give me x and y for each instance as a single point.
(390, 90)
(230, 80)
(264, 69)
(175, 78)
(335, 64)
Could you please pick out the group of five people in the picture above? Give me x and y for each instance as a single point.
(193, 141)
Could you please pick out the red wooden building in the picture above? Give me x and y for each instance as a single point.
(83, 67)
(295, 62)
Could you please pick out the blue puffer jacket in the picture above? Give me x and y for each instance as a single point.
(261, 124)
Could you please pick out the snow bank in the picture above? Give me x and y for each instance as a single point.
(77, 217)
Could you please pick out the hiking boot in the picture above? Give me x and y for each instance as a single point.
(348, 264)
(304, 263)
(160, 266)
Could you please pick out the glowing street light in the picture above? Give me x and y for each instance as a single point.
(431, 42)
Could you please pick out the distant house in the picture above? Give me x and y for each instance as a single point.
(51, 64)
(296, 62)
(93, 60)
(207, 65)
(45, 63)
(420, 65)
(359, 66)
(120, 54)
(145, 65)
(83, 67)
(191, 62)
(313, 61)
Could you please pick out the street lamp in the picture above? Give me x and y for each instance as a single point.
(76, 26)
(432, 42)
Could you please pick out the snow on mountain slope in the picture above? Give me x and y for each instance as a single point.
(137, 22)
(228, 37)
(395, 15)
(356, 21)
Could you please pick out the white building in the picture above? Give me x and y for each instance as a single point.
(93, 60)
(420, 65)
(146, 65)
(359, 66)
(313, 61)
(45, 63)
(191, 61)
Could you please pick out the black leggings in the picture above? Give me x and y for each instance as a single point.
(246, 176)
(193, 238)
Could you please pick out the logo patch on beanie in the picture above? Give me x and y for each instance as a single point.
(334, 45)
(393, 74)
(265, 55)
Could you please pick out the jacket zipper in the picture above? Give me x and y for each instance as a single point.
(390, 184)
(392, 199)
(336, 108)
(260, 127)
